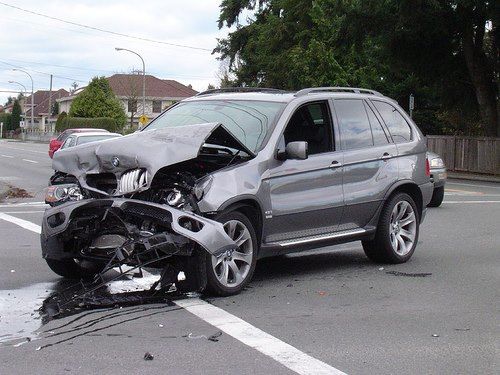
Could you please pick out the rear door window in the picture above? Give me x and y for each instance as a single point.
(396, 123)
(379, 136)
(354, 125)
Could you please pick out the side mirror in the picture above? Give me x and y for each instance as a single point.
(294, 150)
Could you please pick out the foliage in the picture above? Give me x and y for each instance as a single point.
(6, 119)
(16, 115)
(107, 123)
(55, 109)
(60, 120)
(97, 100)
(398, 47)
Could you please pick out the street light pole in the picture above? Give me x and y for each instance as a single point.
(143, 77)
(24, 93)
(32, 97)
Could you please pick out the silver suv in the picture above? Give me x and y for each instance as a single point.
(233, 175)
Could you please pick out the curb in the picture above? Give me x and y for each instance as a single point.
(473, 177)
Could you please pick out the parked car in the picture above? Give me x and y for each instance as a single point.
(438, 178)
(56, 143)
(232, 175)
(81, 138)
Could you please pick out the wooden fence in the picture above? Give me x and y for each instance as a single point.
(467, 154)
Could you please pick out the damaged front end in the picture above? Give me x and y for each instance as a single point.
(132, 202)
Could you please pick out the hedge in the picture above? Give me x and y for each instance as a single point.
(107, 123)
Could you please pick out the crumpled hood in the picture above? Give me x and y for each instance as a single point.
(151, 150)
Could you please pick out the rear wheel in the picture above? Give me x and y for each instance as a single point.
(229, 273)
(74, 269)
(397, 232)
(437, 197)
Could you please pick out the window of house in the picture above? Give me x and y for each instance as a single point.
(156, 106)
(132, 105)
(398, 127)
(379, 136)
(354, 125)
(311, 123)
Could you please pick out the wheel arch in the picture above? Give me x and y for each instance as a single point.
(410, 188)
(250, 207)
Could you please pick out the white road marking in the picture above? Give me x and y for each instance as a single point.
(22, 212)
(24, 204)
(467, 202)
(30, 161)
(22, 223)
(257, 339)
(24, 149)
(473, 185)
(7, 156)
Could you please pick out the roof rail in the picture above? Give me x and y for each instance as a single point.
(241, 89)
(355, 90)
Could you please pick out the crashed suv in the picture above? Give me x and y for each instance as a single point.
(229, 176)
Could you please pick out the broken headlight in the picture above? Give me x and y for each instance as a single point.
(202, 187)
(64, 192)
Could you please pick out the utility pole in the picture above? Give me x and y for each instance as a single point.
(50, 103)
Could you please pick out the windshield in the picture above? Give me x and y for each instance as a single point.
(249, 121)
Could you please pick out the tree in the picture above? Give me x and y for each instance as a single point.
(443, 51)
(60, 120)
(55, 109)
(98, 100)
(16, 115)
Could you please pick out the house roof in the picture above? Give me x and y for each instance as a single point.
(41, 101)
(131, 85)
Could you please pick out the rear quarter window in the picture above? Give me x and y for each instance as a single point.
(396, 123)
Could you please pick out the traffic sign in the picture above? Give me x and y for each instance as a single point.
(143, 119)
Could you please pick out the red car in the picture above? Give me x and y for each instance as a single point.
(56, 143)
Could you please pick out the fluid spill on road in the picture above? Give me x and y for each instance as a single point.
(408, 274)
(23, 311)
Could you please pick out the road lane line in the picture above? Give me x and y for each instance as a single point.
(473, 185)
(30, 161)
(22, 223)
(23, 149)
(24, 204)
(257, 339)
(467, 202)
(22, 212)
(7, 156)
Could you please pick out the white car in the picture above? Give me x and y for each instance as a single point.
(76, 139)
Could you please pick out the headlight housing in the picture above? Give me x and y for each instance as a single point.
(63, 192)
(437, 163)
(202, 187)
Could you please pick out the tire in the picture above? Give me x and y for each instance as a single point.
(222, 280)
(71, 269)
(437, 197)
(396, 236)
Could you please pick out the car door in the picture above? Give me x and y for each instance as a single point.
(306, 195)
(369, 161)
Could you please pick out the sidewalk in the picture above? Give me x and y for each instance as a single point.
(473, 177)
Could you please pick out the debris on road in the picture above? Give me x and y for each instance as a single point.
(214, 337)
(14, 192)
(148, 356)
(435, 335)
(408, 274)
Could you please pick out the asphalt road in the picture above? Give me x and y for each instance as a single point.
(326, 309)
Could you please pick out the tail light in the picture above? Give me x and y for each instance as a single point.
(427, 167)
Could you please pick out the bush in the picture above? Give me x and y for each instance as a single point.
(107, 123)
(6, 119)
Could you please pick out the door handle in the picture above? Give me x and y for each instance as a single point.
(386, 156)
(335, 164)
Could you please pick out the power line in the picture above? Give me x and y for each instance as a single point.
(39, 72)
(103, 30)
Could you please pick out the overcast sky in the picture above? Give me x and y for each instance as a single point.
(43, 45)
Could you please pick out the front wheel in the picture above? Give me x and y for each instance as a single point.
(229, 273)
(397, 232)
(73, 269)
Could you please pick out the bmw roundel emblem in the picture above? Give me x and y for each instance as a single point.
(115, 161)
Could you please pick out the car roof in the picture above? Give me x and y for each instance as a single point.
(91, 134)
(275, 95)
(81, 130)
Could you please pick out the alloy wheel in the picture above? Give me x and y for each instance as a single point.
(403, 228)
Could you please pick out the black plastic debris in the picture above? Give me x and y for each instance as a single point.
(408, 274)
(148, 356)
(215, 336)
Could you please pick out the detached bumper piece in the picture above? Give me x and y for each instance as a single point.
(126, 235)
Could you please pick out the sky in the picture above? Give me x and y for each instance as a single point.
(71, 53)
